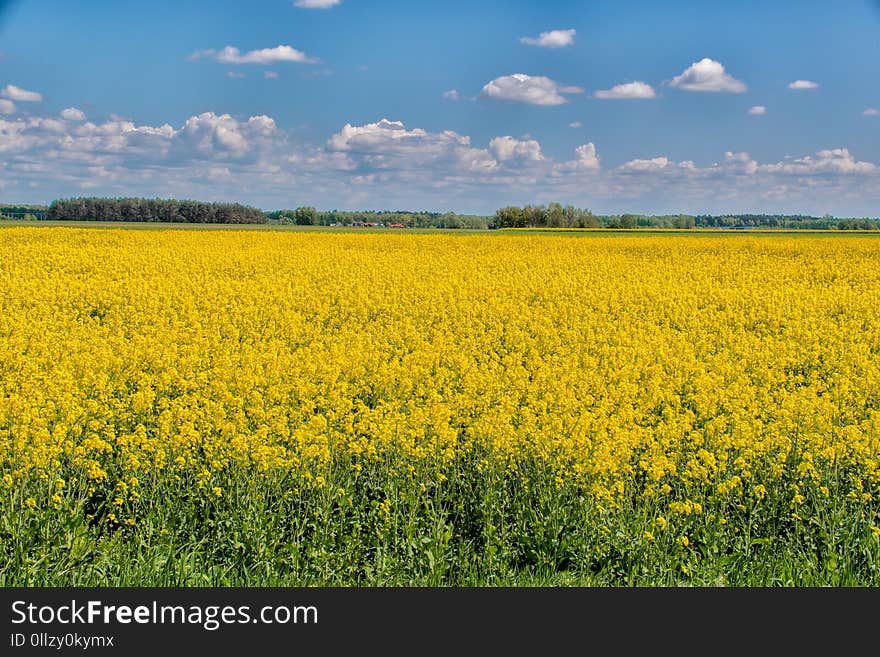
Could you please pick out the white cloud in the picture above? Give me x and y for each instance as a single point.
(72, 114)
(662, 169)
(803, 84)
(208, 132)
(757, 110)
(217, 156)
(575, 124)
(533, 90)
(452, 94)
(316, 4)
(115, 141)
(6, 106)
(385, 135)
(653, 164)
(388, 145)
(586, 160)
(234, 74)
(832, 161)
(123, 145)
(12, 92)
(707, 75)
(16, 136)
(211, 135)
(739, 163)
(50, 139)
(47, 124)
(270, 75)
(507, 148)
(627, 90)
(232, 55)
(551, 39)
(871, 111)
(828, 164)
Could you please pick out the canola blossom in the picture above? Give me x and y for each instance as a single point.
(700, 388)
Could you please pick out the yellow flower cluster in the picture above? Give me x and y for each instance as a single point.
(680, 367)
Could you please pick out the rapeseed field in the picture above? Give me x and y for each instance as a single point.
(209, 408)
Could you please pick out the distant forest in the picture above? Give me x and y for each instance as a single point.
(553, 215)
(308, 216)
(557, 216)
(158, 210)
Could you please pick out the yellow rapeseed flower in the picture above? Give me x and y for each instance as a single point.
(287, 354)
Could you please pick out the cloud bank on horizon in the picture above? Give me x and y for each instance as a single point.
(210, 152)
(506, 127)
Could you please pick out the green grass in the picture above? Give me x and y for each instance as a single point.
(482, 526)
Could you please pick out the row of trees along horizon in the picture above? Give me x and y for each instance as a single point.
(553, 215)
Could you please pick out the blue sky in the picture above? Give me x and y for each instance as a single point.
(617, 106)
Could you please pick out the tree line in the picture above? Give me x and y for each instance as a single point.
(553, 215)
(796, 221)
(550, 216)
(153, 210)
(309, 216)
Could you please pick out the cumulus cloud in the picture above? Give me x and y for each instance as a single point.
(235, 74)
(72, 114)
(270, 75)
(385, 135)
(212, 135)
(833, 161)
(232, 55)
(642, 165)
(575, 124)
(551, 39)
(115, 142)
(316, 4)
(507, 148)
(871, 111)
(739, 163)
(707, 75)
(124, 145)
(6, 106)
(389, 145)
(828, 164)
(530, 89)
(803, 84)
(627, 90)
(586, 160)
(215, 155)
(49, 139)
(12, 92)
(208, 132)
(757, 110)
(451, 94)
